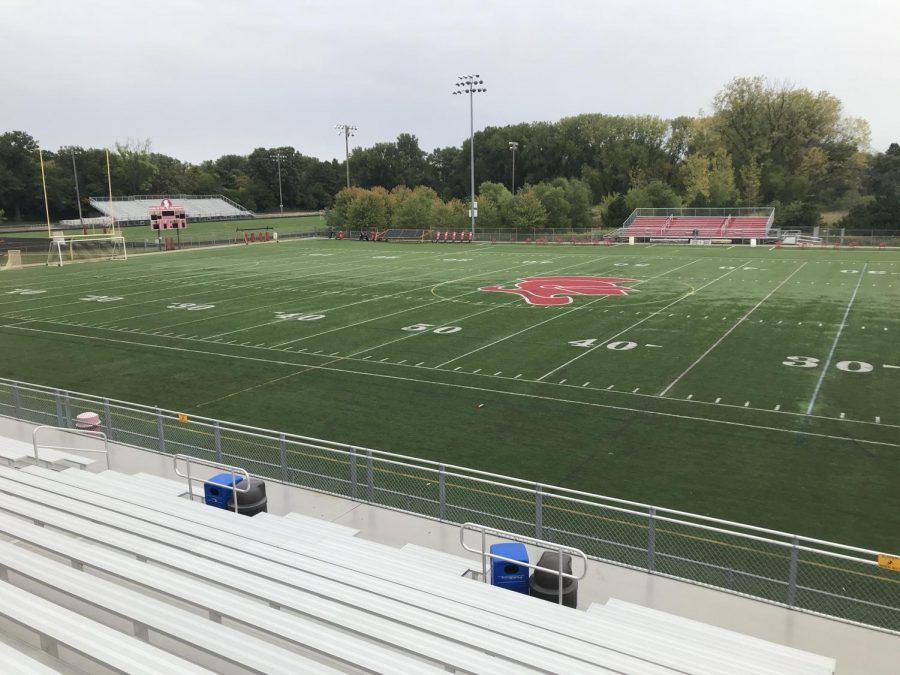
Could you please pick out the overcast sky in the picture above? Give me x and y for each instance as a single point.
(202, 78)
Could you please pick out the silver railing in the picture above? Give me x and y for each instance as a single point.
(541, 543)
(237, 474)
(804, 574)
(84, 433)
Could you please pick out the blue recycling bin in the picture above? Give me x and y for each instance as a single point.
(506, 574)
(217, 490)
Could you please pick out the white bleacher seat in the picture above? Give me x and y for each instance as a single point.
(323, 525)
(196, 208)
(454, 564)
(17, 662)
(14, 451)
(223, 642)
(93, 640)
(355, 571)
(767, 654)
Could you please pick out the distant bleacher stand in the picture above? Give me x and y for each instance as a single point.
(726, 225)
(135, 209)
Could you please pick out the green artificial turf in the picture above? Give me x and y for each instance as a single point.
(677, 394)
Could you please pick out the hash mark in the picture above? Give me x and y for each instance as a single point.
(497, 373)
(689, 397)
(517, 376)
(610, 387)
(562, 381)
(717, 400)
(746, 404)
(636, 390)
(585, 384)
(777, 407)
(842, 416)
(877, 419)
(419, 363)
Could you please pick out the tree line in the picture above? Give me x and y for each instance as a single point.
(762, 144)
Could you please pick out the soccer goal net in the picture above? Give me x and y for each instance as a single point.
(67, 250)
(13, 260)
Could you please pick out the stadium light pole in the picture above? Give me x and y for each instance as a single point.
(471, 85)
(77, 191)
(347, 130)
(277, 158)
(513, 146)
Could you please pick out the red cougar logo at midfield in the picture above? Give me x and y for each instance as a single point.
(556, 290)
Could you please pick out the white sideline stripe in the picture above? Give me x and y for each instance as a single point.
(730, 331)
(638, 323)
(552, 318)
(259, 359)
(815, 395)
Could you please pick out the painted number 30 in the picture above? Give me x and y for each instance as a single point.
(812, 362)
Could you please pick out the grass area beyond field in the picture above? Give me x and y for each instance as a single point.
(753, 385)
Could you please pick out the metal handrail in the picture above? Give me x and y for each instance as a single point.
(484, 530)
(77, 432)
(235, 471)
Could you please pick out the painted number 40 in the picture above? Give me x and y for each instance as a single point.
(812, 362)
(620, 346)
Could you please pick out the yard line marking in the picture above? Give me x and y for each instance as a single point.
(173, 348)
(834, 344)
(887, 365)
(427, 304)
(653, 345)
(540, 323)
(730, 331)
(638, 323)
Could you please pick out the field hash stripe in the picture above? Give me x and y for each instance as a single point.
(730, 331)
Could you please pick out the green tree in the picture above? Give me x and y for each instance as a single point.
(527, 210)
(134, 170)
(652, 195)
(20, 175)
(415, 210)
(614, 209)
(494, 200)
(369, 209)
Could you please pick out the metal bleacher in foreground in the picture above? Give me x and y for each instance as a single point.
(102, 569)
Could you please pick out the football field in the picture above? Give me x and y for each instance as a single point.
(752, 384)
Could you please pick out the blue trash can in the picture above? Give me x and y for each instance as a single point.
(217, 490)
(506, 574)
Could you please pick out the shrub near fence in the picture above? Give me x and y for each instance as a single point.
(807, 575)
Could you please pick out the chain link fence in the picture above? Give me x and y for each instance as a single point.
(809, 575)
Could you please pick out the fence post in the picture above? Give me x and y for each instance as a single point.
(217, 440)
(651, 540)
(354, 482)
(792, 573)
(538, 511)
(160, 431)
(17, 401)
(67, 410)
(59, 414)
(442, 493)
(282, 452)
(107, 417)
(370, 476)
